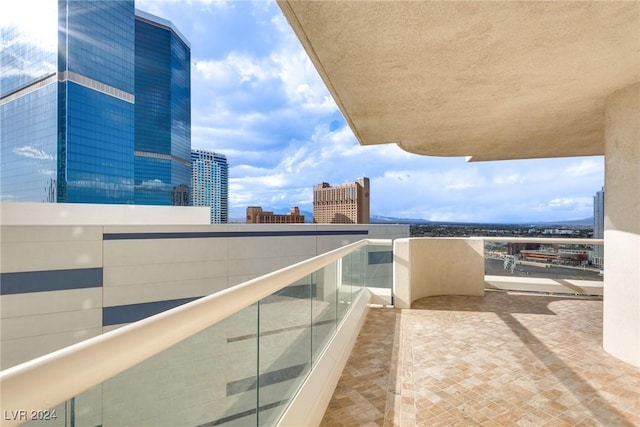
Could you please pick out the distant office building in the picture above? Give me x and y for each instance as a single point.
(94, 106)
(210, 183)
(255, 215)
(598, 226)
(344, 204)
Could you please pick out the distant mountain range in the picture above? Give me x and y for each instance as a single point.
(378, 219)
(576, 222)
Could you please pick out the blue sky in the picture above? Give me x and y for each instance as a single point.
(257, 98)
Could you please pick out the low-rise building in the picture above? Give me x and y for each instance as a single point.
(255, 215)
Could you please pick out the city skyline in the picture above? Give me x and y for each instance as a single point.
(257, 99)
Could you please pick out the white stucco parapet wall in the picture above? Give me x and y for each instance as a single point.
(26, 213)
(424, 267)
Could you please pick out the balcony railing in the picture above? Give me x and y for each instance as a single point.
(242, 355)
(548, 265)
(237, 357)
(426, 267)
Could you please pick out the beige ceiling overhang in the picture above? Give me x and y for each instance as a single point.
(488, 79)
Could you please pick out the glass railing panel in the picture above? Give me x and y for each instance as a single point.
(358, 277)
(284, 347)
(379, 272)
(567, 266)
(207, 378)
(241, 371)
(86, 408)
(353, 272)
(324, 306)
(345, 285)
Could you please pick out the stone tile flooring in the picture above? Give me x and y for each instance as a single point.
(498, 360)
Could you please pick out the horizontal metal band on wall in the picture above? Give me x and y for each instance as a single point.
(49, 280)
(227, 234)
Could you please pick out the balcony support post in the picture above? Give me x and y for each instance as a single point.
(621, 318)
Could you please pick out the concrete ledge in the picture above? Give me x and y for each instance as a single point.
(540, 284)
(28, 213)
(424, 267)
(310, 403)
(380, 296)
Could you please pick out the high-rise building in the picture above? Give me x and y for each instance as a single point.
(345, 204)
(162, 166)
(598, 225)
(210, 183)
(79, 92)
(255, 215)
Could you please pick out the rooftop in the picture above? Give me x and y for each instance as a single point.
(502, 359)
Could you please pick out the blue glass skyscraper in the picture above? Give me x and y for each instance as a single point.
(210, 183)
(69, 107)
(162, 113)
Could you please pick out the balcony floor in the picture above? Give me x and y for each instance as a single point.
(502, 359)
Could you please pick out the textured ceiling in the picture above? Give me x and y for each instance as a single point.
(489, 80)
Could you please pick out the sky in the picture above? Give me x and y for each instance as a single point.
(256, 98)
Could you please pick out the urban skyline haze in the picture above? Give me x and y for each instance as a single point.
(257, 99)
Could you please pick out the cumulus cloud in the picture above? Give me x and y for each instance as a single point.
(585, 167)
(32, 152)
(508, 179)
(566, 203)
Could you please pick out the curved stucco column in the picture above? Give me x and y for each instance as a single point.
(621, 322)
(424, 267)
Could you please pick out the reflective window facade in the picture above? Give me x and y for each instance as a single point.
(29, 44)
(28, 103)
(162, 114)
(99, 148)
(96, 40)
(70, 112)
(210, 183)
(28, 157)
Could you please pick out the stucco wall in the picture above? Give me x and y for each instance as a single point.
(425, 267)
(621, 326)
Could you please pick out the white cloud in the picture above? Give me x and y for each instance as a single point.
(32, 152)
(585, 167)
(301, 83)
(566, 203)
(157, 7)
(508, 179)
(35, 21)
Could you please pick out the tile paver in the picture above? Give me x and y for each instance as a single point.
(503, 359)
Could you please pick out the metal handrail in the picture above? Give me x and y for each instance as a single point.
(49, 380)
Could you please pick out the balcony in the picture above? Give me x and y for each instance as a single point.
(499, 360)
(496, 81)
(270, 351)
